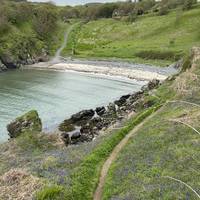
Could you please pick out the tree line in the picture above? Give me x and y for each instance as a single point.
(44, 16)
(129, 9)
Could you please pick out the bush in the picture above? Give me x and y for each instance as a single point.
(167, 55)
(50, 193)
(4, 24)
(34, 141)
(188, 4)
(132, 17)
(187, 62)
(163, 10)
(45, 20)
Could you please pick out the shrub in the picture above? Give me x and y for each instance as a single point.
(53, 192)
(33, 141)
(167, 55)
(132, 17)
(4, 24)
(188, 4)
(187, 62)
(163, 10)
(45, 20)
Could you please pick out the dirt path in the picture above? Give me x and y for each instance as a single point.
(113, 156)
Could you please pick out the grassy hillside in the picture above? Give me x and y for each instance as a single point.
(164, 148)
(159, 39)
(22, 39)
(29, 32)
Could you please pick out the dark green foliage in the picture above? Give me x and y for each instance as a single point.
(45, 20)
(28, 31)
(53, 192)
(186, 62)
(168, 55)
(163, 10)
(188, 4)
(69, 12)
(4, 24)
(132, 17)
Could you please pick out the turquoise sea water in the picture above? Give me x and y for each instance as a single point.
(56, 95)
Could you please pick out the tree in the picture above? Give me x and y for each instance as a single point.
(45, 20)
(188, 4)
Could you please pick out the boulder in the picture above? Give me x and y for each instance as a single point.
(100, 110)
(111, 108)
(28, 122)
(70, 138)
(66, 138)
(2, 67)
(80, 117)
(9, 62)
(122, 100)
(66, 126)
(151, 85)
(75, 135)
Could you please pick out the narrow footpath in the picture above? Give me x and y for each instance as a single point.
(106, 166)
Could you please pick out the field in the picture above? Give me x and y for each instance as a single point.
(150, 39)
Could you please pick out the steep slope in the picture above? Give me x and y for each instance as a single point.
(161, 161)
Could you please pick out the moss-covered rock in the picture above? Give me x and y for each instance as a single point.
(28, 122)
(67, 126)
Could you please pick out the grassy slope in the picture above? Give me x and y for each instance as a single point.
(162, 148)
(107, 38)
(22, 38)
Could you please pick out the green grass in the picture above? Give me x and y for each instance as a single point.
(162, 148)
(50, 193)
(174, 33)
(58, 37)
(85, 177)
(22, 39)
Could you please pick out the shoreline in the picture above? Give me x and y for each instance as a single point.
(125, 71)
(110, 68)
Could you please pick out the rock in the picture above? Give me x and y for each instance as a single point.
(177, 65)
(66, 138)
(28, 122)
(122, 100)
(75, 135)
(82, 116)
(111, 108)
(9, 62)
(100, 110)
(151, 85)
(70, 138)
(2, 67)
(67, 126)
(87, 133)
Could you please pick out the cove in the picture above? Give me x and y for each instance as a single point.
(56, 95)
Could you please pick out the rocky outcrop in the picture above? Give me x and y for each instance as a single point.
(81, 117)
(151, 85)
(85, 125)
(100, 110)
(9, 62)
(2, 67)
(26, 123)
